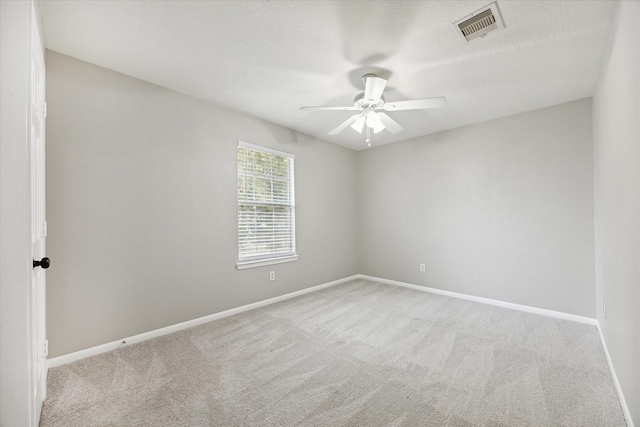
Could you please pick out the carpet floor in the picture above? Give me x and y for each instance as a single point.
(357, 354)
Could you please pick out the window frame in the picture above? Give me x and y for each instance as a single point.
(271, 258)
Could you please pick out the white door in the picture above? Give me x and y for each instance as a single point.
(39, 347)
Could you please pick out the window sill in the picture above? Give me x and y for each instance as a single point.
(242, 265)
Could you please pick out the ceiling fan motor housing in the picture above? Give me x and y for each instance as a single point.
(360, 102)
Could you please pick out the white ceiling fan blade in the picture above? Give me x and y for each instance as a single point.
(373, 121)
(345, 124)
(391, 125)
(373, 88)
(415, 104)
(358, 124)
(330, 108)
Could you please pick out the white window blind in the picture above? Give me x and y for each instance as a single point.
(266, 207)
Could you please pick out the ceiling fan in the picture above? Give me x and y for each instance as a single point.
(370, 103)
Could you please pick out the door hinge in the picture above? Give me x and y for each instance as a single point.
(46, 348)
(44, 228)
(43, 111)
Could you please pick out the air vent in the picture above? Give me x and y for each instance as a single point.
(479, 23)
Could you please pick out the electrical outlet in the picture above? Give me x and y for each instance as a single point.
(272, 276)
(423, 268)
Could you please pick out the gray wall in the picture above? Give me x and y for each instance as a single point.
(501, 209)
(616, 135)
(15, 214)
(142, 207)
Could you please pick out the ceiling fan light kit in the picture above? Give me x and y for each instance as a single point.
(358, 124)
(370, 103)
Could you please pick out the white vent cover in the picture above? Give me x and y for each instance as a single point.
(479, 23)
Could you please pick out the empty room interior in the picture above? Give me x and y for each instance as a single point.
(320, 213)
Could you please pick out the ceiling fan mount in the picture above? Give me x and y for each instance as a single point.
(364, 77)
(372, 105)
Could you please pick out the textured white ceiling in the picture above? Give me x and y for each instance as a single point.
(268, 58)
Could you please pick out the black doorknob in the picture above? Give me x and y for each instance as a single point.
(44, 263)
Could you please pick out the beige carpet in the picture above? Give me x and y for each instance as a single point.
(356, 354)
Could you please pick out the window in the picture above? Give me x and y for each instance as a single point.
(266, 208)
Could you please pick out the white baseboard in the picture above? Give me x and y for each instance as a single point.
(623, 402)
(520, 307)
(72, 357)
